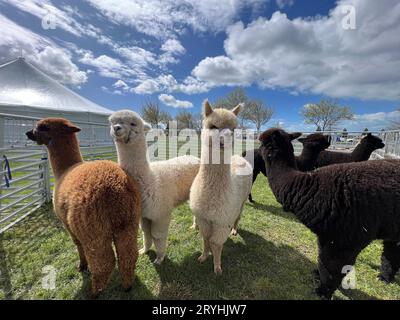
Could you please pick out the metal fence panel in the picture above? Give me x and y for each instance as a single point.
(26, 180)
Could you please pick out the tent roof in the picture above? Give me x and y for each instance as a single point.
(21, 84)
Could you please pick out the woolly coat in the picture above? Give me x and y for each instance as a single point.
(345, 203)
(361, 152)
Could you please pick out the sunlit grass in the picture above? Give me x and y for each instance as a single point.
(272, 258)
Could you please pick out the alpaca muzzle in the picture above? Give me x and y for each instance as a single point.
(31, 135)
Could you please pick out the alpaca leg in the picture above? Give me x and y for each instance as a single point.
(83, 265)
(126, 245)
(147, 238)
(331, 261)
(390, 261)
(216, 249)
(159, 232)
(205, 231)
(234, 231)
(194, 225)
(101, 261)
(206, 250)
(251, 198)
(255, 174)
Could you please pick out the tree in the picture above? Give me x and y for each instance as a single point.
(152, 113)
(234, 98)
(258, 114)
(185, 120)
(345, 133)
(365, 132)
(326, 114)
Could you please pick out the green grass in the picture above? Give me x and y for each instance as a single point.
(272, 258)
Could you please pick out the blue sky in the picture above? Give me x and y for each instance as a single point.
(286, 52)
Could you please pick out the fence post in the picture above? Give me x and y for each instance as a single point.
(46, 177)
(2, 130)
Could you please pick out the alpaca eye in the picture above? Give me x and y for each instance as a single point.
(213, 127)
(132, 124)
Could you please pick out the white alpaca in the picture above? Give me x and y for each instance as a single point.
(220, 190)
(164, 184)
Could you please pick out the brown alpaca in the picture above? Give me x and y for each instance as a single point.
(97, 201)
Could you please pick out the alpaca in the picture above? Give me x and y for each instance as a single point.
(346, 205)
(361, 152)
(219, 190)
(313, 144)
(164, 185)
(97, 202)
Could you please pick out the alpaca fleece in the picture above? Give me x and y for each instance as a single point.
(313, 144)
(98, 203)
(361, 152)
(163, 184)
(219, 190)
(346, 205)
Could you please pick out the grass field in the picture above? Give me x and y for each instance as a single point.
(272, 258)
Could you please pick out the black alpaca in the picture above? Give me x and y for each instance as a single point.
(361, 152)
(346, 205)
(312, 146)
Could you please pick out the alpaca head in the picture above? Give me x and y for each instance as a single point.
(315, 142)
(126, 126)
(219, 123)
(50, 129)
(219, 118)
(372, 142)
(276, 144)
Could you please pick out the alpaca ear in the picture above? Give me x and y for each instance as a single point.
(294, 135)
(72, 129)
(236, 110)
(207, 108)
(369, 134)
(146, 127)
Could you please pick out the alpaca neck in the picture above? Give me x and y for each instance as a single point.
(308, 156)
(64, 153)
(133, 158)
(361, 153)
(211, 169)
(281, 171)
(284, 180)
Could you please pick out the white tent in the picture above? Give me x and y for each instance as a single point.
(25, 90)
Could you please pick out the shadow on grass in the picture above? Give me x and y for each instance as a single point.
(114, 290)
(286, 273)
(275, 210)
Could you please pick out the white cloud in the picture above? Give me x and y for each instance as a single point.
(105, 65)
(168, 83)
(372, 121)
(165, 18)
(44, 9)
(42, 52)
(121, 84)
(314, 55)
(171, 101)
(173, 46)
(284, 3)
